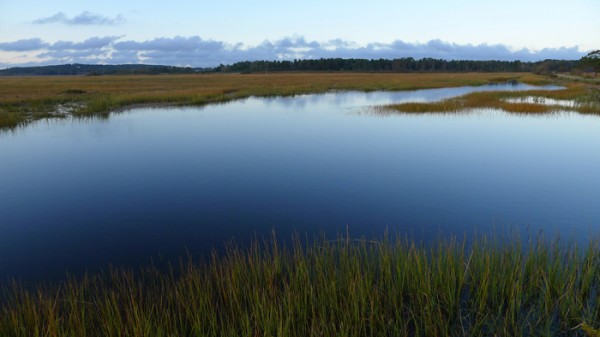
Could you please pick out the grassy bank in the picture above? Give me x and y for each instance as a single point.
(585, 99)
(389, 287)
(24, 99)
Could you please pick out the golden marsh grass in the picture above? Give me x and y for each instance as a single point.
(23, 99)
(586, 100)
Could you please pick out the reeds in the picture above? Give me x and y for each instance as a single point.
(23, 99)
(386, 287)
(586, 100)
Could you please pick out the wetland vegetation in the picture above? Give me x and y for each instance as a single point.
(575, 97)
(24, 99)
(383, 287)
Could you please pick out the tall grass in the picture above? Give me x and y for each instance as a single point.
(23, 99)
(587, 101)
(386, 287)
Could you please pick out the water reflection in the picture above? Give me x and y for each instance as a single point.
(149, 183)
(545, 101)
(358, 99)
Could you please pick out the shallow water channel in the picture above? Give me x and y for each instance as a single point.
(158, 183)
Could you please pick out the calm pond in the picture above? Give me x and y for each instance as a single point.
(152, 183)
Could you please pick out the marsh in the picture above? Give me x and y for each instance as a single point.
(158, 183)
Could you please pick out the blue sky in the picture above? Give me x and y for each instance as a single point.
(206, 33)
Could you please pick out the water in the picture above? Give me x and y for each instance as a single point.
(160, 183)
(565, 103)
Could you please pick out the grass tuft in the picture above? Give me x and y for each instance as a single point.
(590, 332)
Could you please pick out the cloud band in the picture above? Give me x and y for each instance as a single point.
(197, 52)
(83, 19)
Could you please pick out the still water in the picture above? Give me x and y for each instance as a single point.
(154, 183)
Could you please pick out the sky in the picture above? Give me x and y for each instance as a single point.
(201, 33)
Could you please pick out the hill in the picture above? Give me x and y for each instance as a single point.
(97, 69)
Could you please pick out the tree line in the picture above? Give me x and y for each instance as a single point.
(96, 69)
(400, 65)
(591, 62)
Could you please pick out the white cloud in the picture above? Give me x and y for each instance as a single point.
(85, 18)
(195, 51)
(92, 43)
(24, 45)
(178, 43)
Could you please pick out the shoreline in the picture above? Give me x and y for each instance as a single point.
(31, 98)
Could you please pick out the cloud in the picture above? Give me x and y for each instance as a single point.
(91, 43)
(23, 45)
(92, 50)
(198, 52)
(178, 43)
(85, 18)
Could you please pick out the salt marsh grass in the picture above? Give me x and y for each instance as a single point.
(23, 99)
(344, 287)
(581, 98)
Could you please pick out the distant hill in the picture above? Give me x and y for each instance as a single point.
(97, 69)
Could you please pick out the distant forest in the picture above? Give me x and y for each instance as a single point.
(95, 69)
(402, 65)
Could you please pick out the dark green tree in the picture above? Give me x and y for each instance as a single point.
(592, 61)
